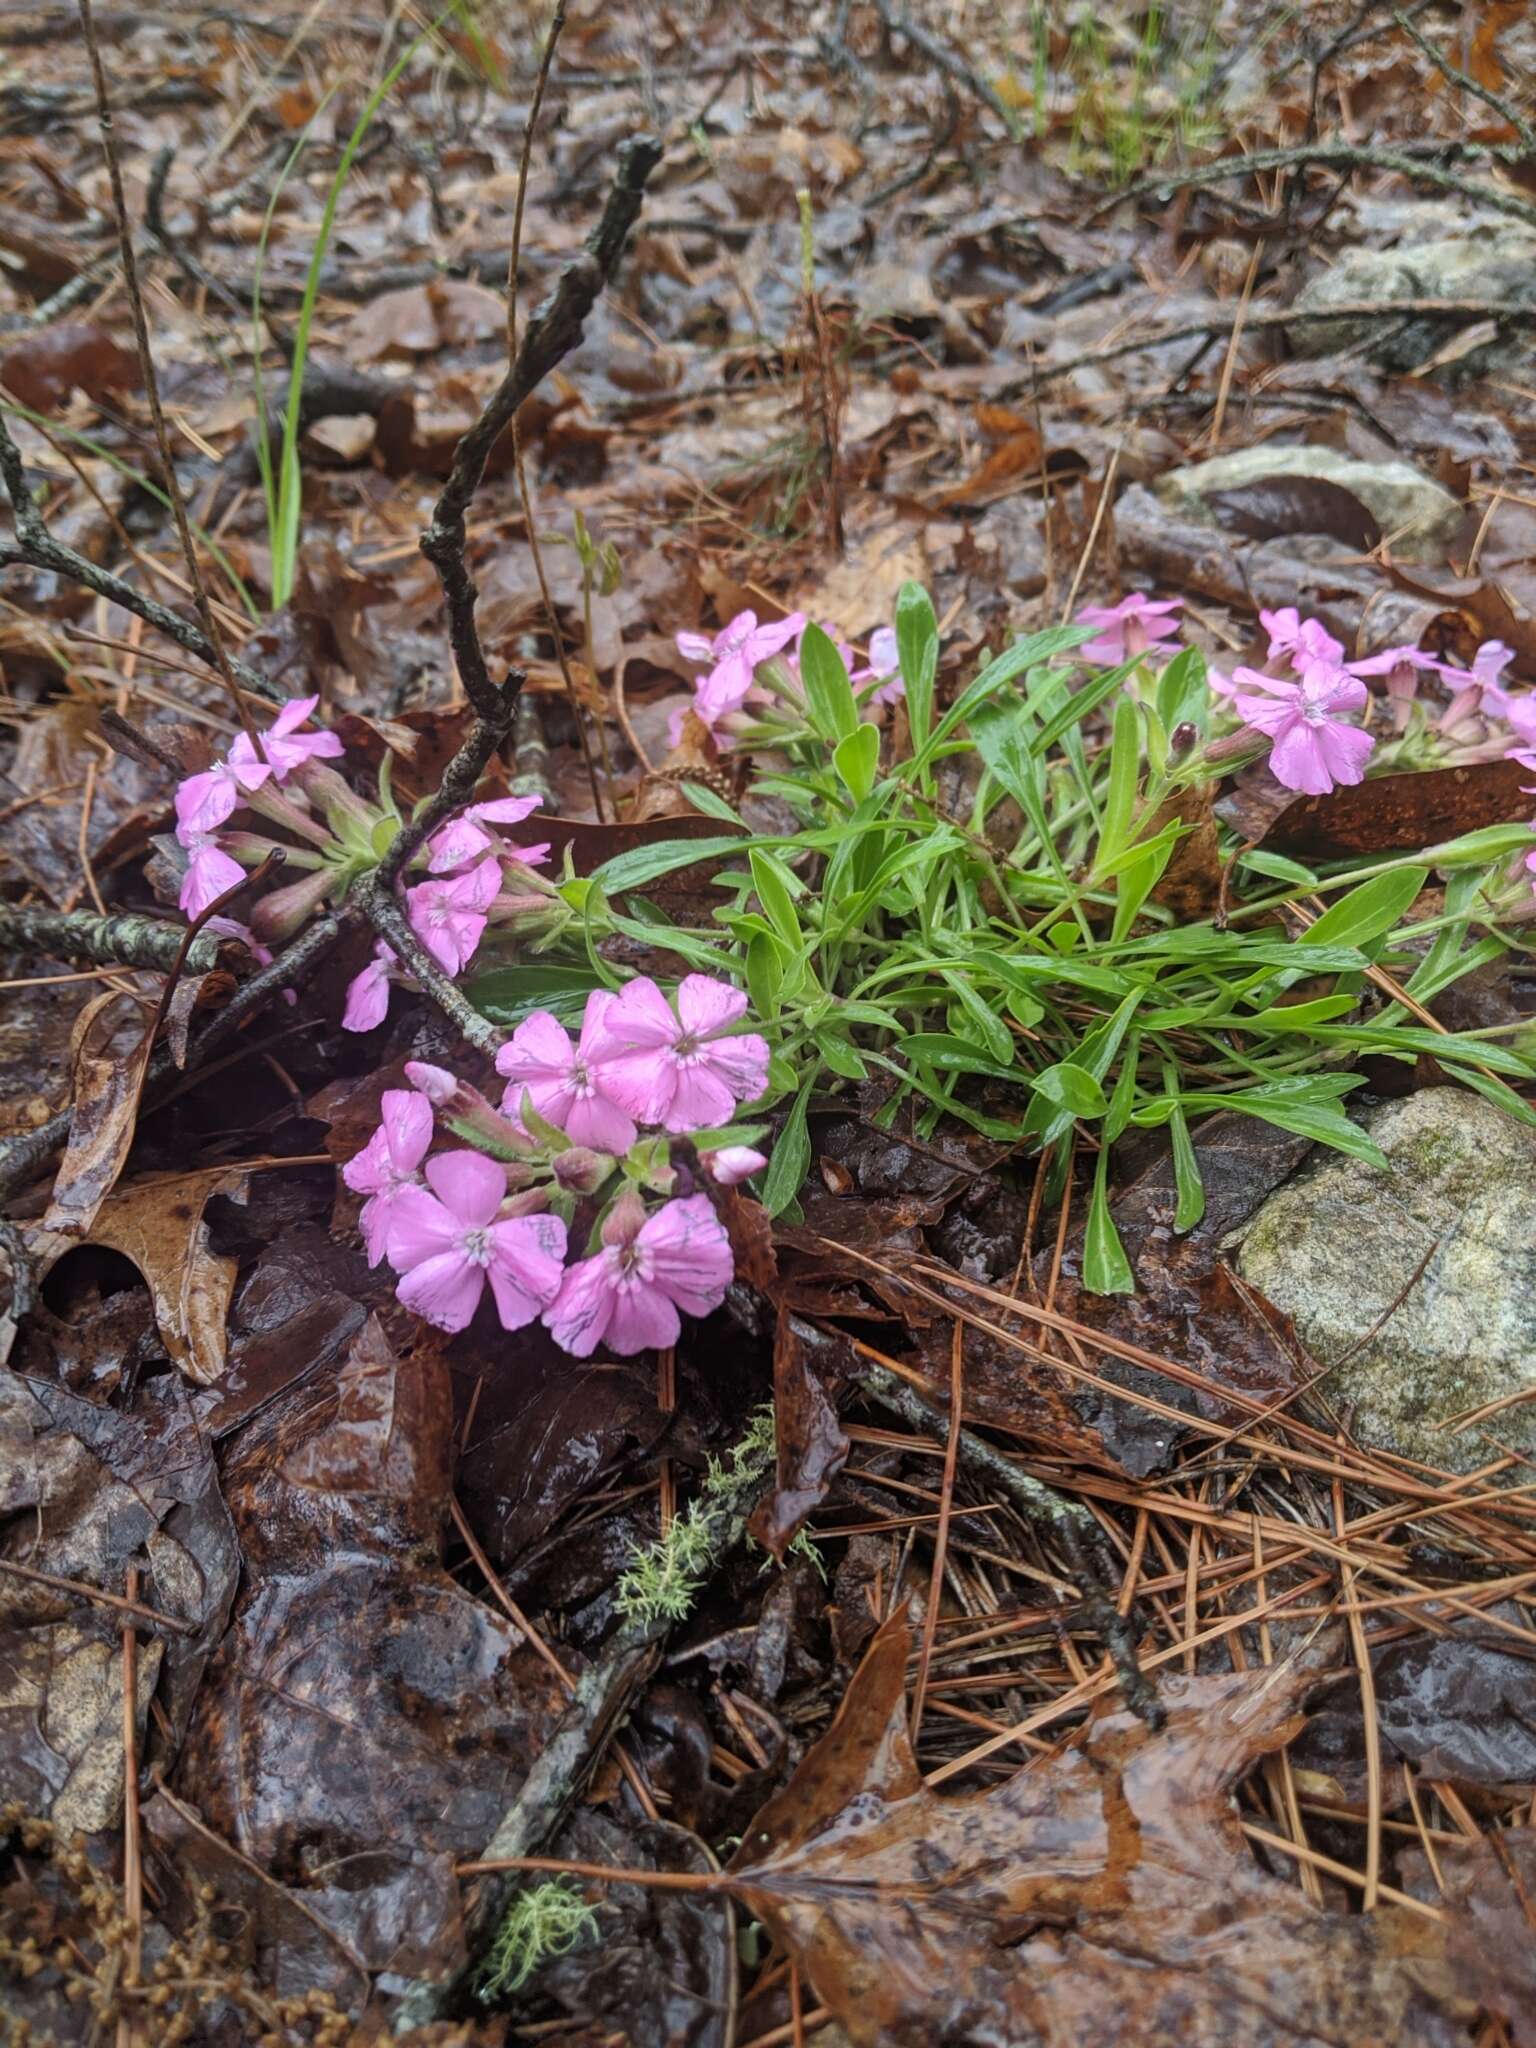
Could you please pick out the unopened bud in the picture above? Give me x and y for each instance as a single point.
(581, 1170)
(278, 917)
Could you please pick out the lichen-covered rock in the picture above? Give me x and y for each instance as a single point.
(1420, 514)
(1494, 262)
(1339, 1244)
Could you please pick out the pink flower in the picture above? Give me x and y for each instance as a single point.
(1304, 640)
(1313, 749)
(449, 916)
(1488, 664)
(449, 1244)
(734, 654)
(732, 1163)
(387, 1165)
(204, 802)
(368, 992)
(1128, 628)
(885, 665)
(462, 839)
(629, 1294)
(682, 1071)
(284, 746)
(1400, 665)
(562, 1081)
(210, 873)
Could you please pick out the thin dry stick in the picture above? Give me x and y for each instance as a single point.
(1229, 366)
(1370, 1728)
(552, 36)
(1463, 83)
(204, 609)
(946, 1503)
(102, 1599)
(133, 1861)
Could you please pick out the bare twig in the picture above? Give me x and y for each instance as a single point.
(459, 781)
(519, 466)
(552, 333)
(1338, 156)
(205, 613)
(1287, 316)
(939, 54)
(1463, 83)
(35, 548)
(385, 912)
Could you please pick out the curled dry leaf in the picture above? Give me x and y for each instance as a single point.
(159, 1224)
(109, 1051)
(1103, 1895)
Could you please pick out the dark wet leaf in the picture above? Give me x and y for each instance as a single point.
(1280, 506)
(1101, 1895)
(1385, 812)
(109, 1052)
(86, 1492)
(45, 369)
(811, 1446)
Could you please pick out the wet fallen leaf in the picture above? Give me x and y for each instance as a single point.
(109, 1051)
(160, 1225)
(1284, 505)
(1103, 1895)
(1385, 812)
(45, 369)
(810, 1445)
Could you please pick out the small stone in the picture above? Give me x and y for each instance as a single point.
(1420, 514)
(1494, 263)
(1337, 1248)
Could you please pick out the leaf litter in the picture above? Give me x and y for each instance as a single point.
(354, 1578)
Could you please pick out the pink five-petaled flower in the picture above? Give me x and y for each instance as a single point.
(206, 801)
(448, 1243)
(464, 838)
(562, 1080)
(628, 1296)
(368, 992)
(210, 872)
(388, 1164)
(681, 1071)
(283, 746)
(449, 916)
(1128, 628)
(1312, 747)
(1304, 640)
(733, 655)
(884, 665)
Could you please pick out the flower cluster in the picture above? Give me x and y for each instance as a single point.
(567, 1132)
(471, 877)
(758, 666)
(1308, 712)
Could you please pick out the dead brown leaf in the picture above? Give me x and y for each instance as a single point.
(109, 1049)
(1103, 1895)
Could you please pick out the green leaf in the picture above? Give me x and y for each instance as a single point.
(1071, 1088)
(1280, 868)
(839, 1055)
(776, 887)
(644, 864)
(917, 645)
(1183, 691)
(995, 1035)
(1106, 1269)
(1493, 842)
(709, 802)
(765, 975)
(509, 994)
(791, 1155)
(1012, 662)
(1186, 1172)
(1367, 913)
(828, 692)
(1124, 767)
(857, 761)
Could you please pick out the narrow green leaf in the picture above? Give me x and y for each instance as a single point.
(857, 761)
(917, 645)
(1369, 912)
(791, 1155)
(1106, 1269)
(1071, 1088)
(1189, 1187)
(828, 692)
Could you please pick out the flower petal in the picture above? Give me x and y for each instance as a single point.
(643, 1319)
(444, 1291)
(1297, 759)
(539, 1049)
(706, 1005)
(472, 1186)
(641, 1016)
(407, 1127)
(578, 1316)
(420, 1228)
(700, 1099)
(690, 1254)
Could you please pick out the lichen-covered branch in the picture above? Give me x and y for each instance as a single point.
(127, 939)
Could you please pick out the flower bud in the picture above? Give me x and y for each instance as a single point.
(732, 1163)
(581, 1170)
(436, 1083)
(622, 1224)
(278, 917)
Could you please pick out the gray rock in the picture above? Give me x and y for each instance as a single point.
(1339, 1244)
(1421, 513)
(1494, 262)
